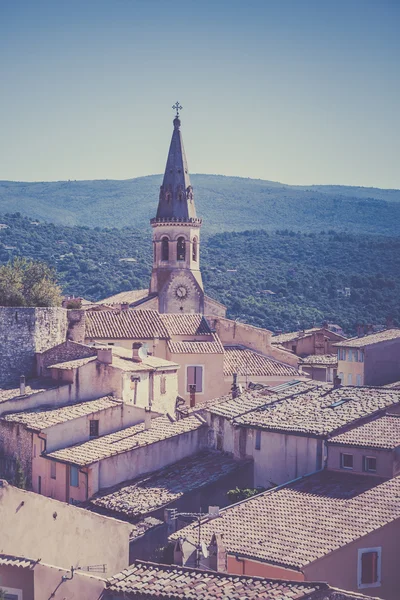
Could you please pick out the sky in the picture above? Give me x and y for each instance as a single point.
(296, 91)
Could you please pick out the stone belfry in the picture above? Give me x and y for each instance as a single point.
(176, 277)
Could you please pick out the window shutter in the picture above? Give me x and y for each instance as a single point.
(191, 373)
(369, 567)
(199, 377)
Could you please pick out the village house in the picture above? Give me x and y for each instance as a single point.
(285, 430)
(373, 359)
(336, 527)
(320, 367)
(372, 448)
(102, 462)
(317, 340)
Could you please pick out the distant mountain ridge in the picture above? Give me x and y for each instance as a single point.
(225, 203)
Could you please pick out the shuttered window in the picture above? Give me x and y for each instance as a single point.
(194, 376)
(369, 567)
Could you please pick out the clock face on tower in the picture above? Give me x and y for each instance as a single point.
(181, 291)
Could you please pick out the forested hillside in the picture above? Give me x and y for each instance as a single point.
(225, 203)
(304, 271)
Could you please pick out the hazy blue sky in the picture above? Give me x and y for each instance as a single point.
(294, 91)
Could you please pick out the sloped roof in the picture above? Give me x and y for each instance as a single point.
(367, 340)
(320, 359)
(382, 433)
(302, 521)
(9, 560)
(125, 297)
(293, 335)
(145, 579)
(151, 492)
(45, 417)
(185, 324)
(33, 386)
(125, 324)
(241, 360)
(196, 347)
(125, 440)
(321, 410)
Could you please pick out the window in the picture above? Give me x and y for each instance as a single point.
(180, 249)
(194, 250)
(165, 248)
(342, 354)
(341, 376)
(358, 380)
(11, 593)
(194, 376)
(350, 379)
(74, 476)
(346, 461)
(369, 567)
(163, 384)
(53, 469)
(258, 439)
(94, 428)
(350, 355)
(355, 355)
(39, 485)
(369, 464)
(361, 356)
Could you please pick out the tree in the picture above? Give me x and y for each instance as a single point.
(28, 283)
(19, 478)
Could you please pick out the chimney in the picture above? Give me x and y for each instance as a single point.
(337, 382)
(22, 385)
(124, 305)
(136, 354)
(147, 418)
(234, 387)
(192, 395)
(104, 355)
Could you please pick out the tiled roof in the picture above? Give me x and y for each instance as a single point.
(383, 433)
(17, 561)
(373, 338)
(320, 411)
(33, 386)
(125, 440)
(302, 521)
(147, 494)
(42, 418)
(241, 360)
(125, 324)
(320, 359)
(150, 580)
(125, 297)
(395, 385)
(230, 408)
(185, 324)
(196, 347)
(72, 364)
(293, 335)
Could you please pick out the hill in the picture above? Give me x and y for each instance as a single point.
(304, 271)
(225, 203)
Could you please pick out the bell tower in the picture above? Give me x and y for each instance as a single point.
(176, 276)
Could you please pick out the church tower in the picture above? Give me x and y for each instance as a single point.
(176, 277)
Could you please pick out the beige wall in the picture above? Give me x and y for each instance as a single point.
(213, 381)
(384, 459)
(60, 534)
(339, 568)
(352, 368)
(45, 581)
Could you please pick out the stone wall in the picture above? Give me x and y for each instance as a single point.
(25, 331)
(63, 352)
(16, 443)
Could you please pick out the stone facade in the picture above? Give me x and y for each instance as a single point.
(23, 333)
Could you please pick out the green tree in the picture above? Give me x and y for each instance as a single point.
(26, 282)
(19, 478)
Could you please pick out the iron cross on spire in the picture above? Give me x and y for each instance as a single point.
(177, 107)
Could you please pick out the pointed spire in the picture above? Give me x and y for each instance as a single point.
(176, 200)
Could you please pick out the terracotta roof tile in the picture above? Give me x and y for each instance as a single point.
(395, 385)
(170, 581)
(368, 340)
(321, 410)
(17, 561)
(241, 360)
(125, 324)
(320, 359)
(383, 433)
(72, 364)
(43, 418)
(151, 492)
(125, 297)
(185, 324)
(197, 347)
(302, 521)
(293, 335)
(126, 440)
(33, 386)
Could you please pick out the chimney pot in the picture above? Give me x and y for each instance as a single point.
(147, 418)
(136, 347)
(337, 382)
(22, 385)
(235, 388)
